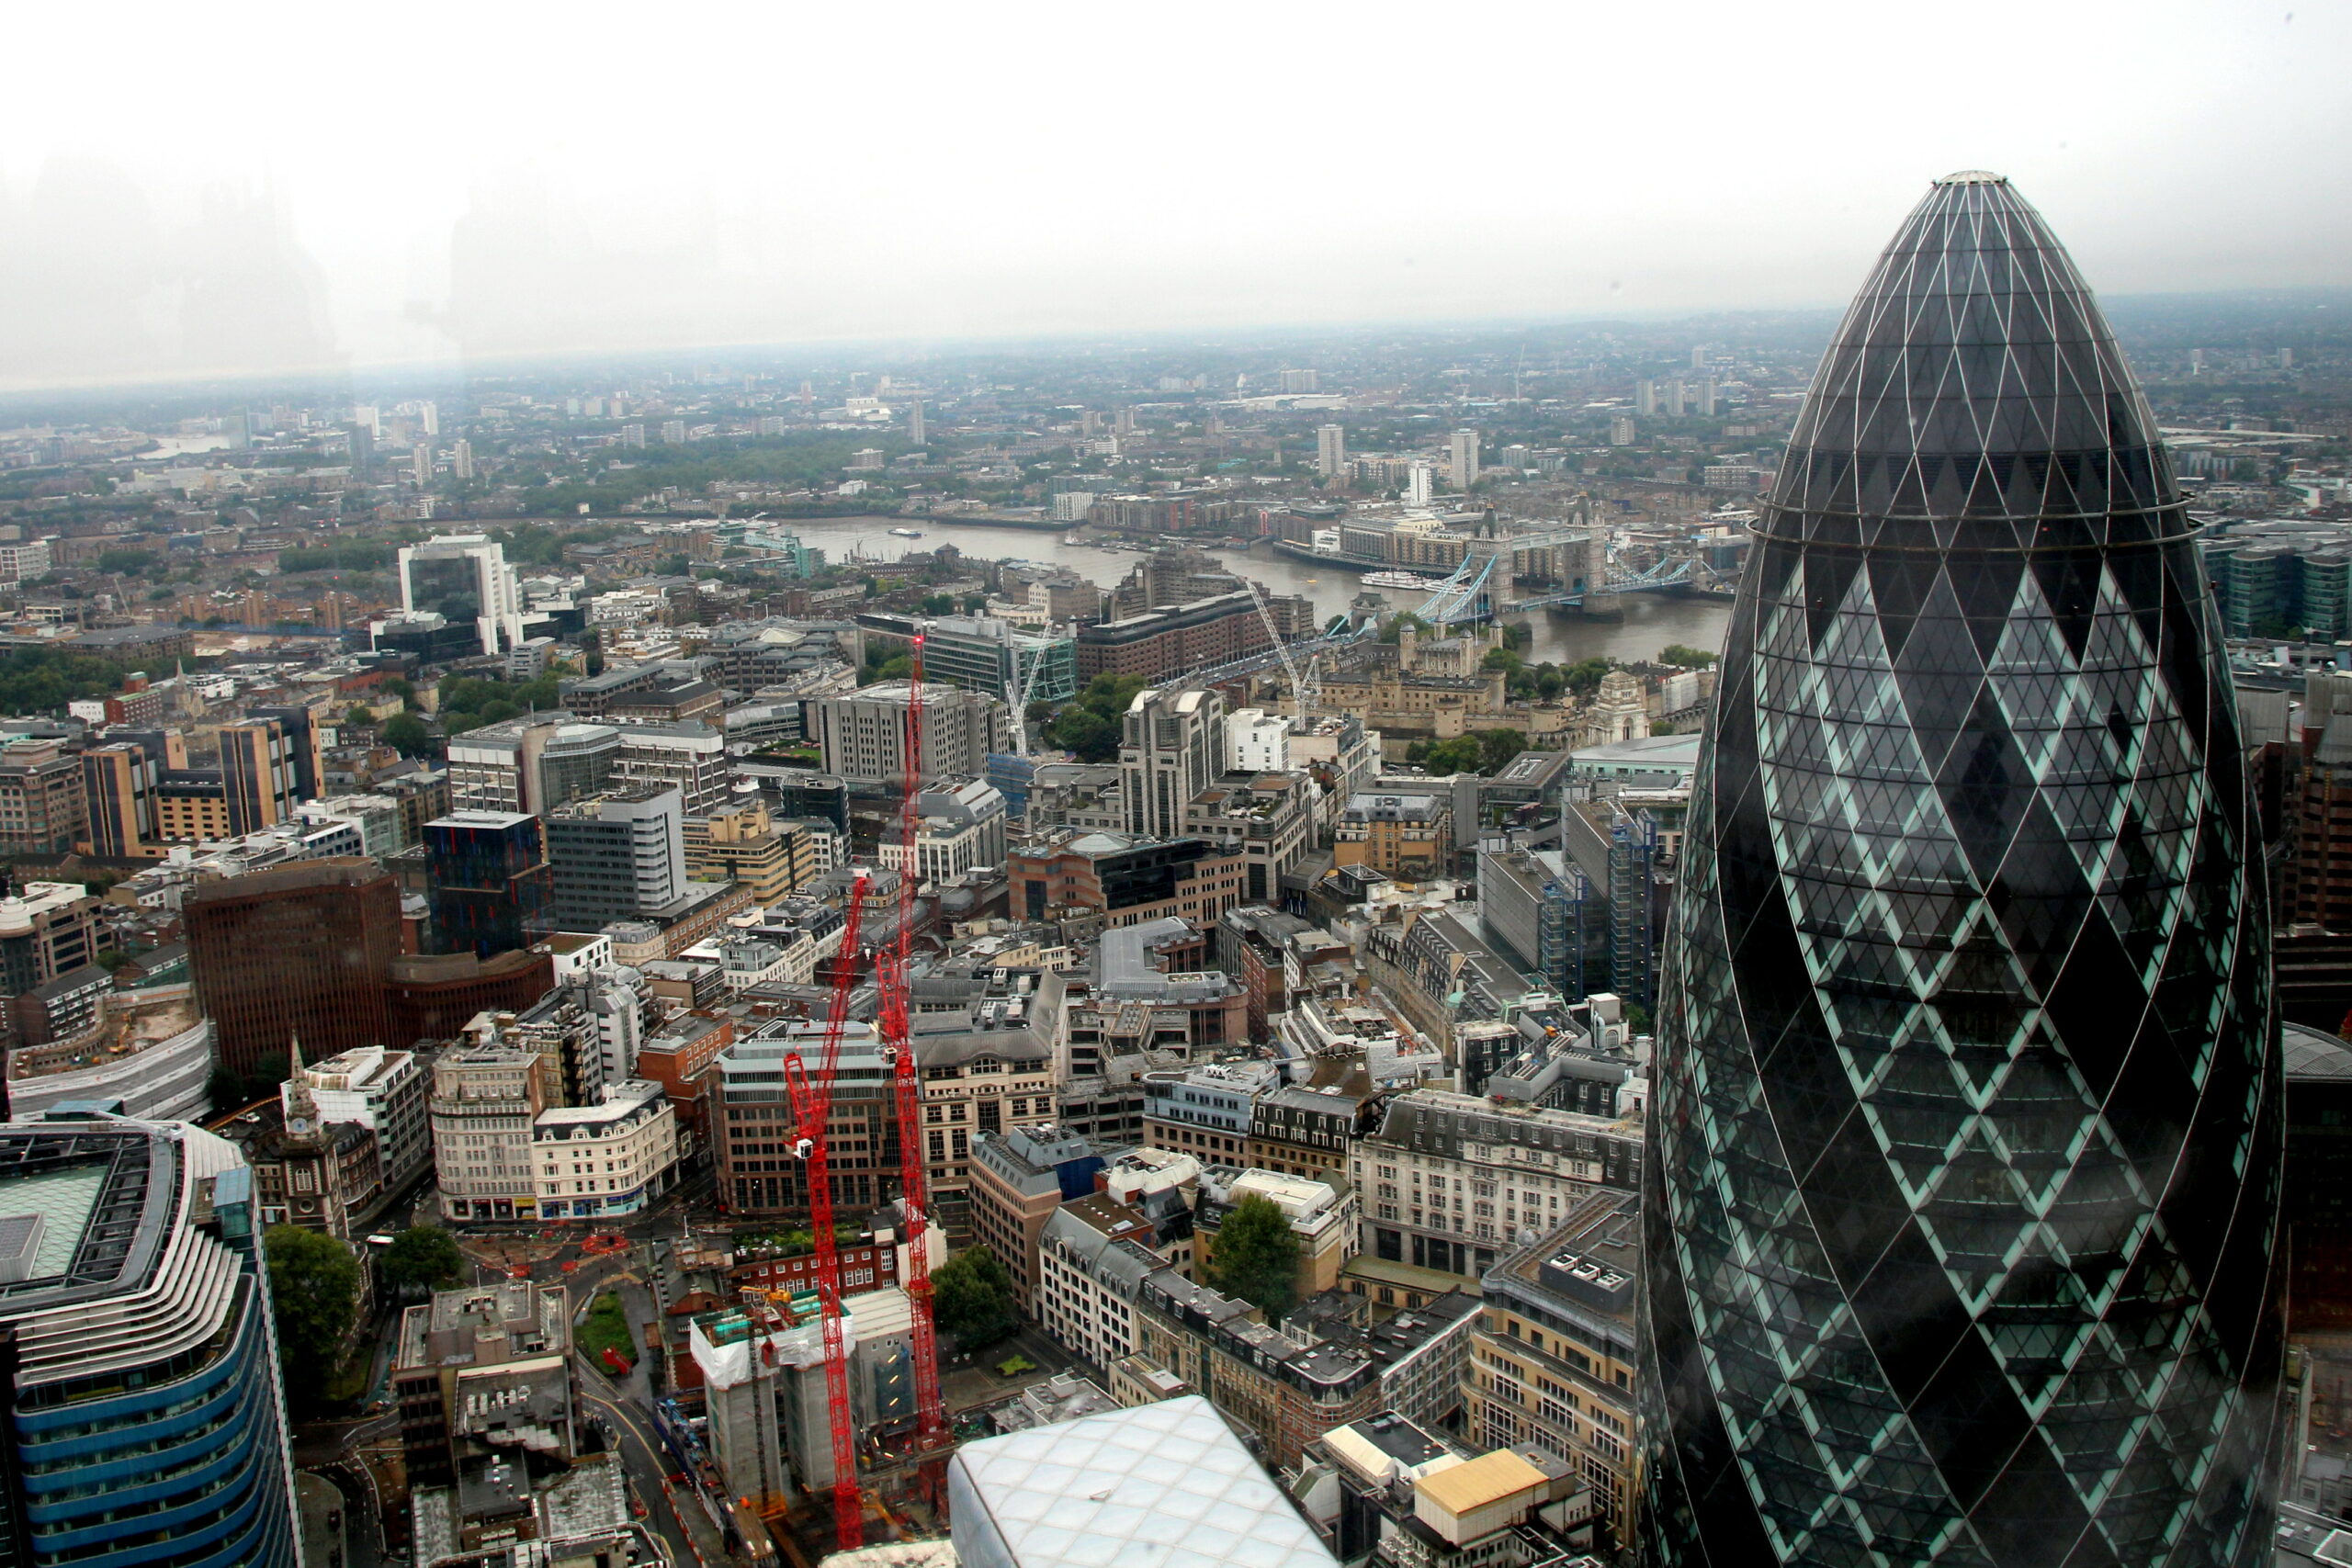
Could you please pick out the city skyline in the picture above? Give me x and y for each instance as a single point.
(596, 221)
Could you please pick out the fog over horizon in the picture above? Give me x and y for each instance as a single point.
(306, 192)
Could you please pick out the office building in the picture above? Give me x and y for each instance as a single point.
(862, 734)
(1125, 881)
(1163, 644)
(489, 886)
(1409, 836)
(141, 1395)
(479, 1375)
(1962, 1210)
(1331, 451)
(259, 780)
(47, 929)
(744, 843)
(384, 1091)
(486, 1097)
(1450, 1180)
(1554, 1354)
(1171, 743)
(1018, 1178)
(999, 660)
(1268, 818)
(44, 809)
(959, 830)
(691, 756)
(303, 949)
(1289, 1385)
(1461, 458)
(119, 783)
(612, 1156)
(616, 856)
(465, 580)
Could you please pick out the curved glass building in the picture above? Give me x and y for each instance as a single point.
(1962, 1206)
(140, 1417)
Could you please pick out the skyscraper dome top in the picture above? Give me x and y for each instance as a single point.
(1975, 394)
(1974, 177)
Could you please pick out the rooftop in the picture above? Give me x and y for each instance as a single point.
(1164, 1485)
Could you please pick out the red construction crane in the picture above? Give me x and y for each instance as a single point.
(812, 1103)
(897, 1049)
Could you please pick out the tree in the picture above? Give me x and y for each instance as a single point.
(1462, 754)
(1256, 1257)
(1684, 657)
(1502, 659)
(972, 1298)
(1584, 674)
(423, 1258)
(405, 733)
(1084, 733)
(938, 603)
(359, 714)
(1497, 747)
(313, 1290)
(1397, 622)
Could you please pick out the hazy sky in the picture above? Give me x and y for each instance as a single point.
(195, 189)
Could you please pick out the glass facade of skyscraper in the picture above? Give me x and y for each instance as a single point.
(139, 1396)
(1963, 1196)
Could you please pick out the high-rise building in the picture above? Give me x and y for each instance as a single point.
(141, 1419)
(1331, 451)
(44, 809)
(1646, 398)
(305, 948)
(47, 929)
(419, 465)
(257, 776)
(461, 459)
(1962, 1188)
(1172, 744)
(119, 781)
(463, 578)
(616, 856)
(862, 734)
(491, 891)
(1462, 456)
(1420, 485)
(915, 422)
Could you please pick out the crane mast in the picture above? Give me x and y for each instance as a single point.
(898, 1049)
(812, 1103)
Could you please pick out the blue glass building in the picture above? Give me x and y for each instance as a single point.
(141, 1417)
(1961, 1207)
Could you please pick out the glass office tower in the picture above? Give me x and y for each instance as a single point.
(1963, 1192)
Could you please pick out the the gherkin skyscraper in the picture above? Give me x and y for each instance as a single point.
(1963, 1188)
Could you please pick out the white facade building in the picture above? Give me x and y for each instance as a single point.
(1331, 451)
(613, 1157)
(383, 1091)
(1257, 741)
(464, 577)
(1462, 459)
(484, 1097)
(961, 829)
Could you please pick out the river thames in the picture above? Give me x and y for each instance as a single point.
(1651, 620)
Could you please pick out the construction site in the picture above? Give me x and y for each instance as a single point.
(825, 1425)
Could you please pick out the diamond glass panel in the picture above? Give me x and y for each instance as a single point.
(1961, 1216)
